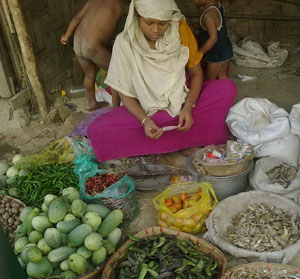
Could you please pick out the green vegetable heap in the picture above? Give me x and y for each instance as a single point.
(69, 238)
(165, 256)
(43, 180)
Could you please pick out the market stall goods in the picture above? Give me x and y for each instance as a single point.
(261, 225)
(10, 209)
(69, 238)
(222, 160)
(185, 211)
(32, 186)
(163, 253)
(262, 270)
(262, 228)
(283, 174)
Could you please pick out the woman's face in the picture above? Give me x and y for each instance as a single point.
(153, 29)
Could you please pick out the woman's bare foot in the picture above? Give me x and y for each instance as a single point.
(95, 106)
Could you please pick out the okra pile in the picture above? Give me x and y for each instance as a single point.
(164, 256)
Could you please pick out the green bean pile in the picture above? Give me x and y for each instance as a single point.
(165, 256)
(47, 179)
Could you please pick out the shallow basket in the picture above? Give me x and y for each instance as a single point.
(259, 266)
(214, 169)
(205, 246)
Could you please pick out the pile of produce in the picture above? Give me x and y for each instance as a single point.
(195, 223)
(262, 273)
(100, 182)
(262, 228)
(9, 216)
(165, 256)
(31, 186)
(68, 238)
(283, 174)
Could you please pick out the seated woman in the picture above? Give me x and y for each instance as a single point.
(147, 68)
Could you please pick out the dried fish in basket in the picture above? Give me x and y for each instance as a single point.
(283, 174)
(261, 270)
(258, 228)
(262, 228)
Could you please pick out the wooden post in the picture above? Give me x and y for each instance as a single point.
(28, 57)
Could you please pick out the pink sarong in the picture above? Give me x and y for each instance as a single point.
(118, 134)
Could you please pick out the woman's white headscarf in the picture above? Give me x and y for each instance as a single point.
(155, 77)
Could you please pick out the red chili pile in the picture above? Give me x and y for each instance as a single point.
(98, 183)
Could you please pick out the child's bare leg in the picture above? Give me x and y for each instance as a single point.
(116, 100)
(212, 71)
(89, 70)
(99, 54)
(223, 71)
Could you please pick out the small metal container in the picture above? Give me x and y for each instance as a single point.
(224, 186)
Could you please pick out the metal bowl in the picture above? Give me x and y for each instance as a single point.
(224, 186)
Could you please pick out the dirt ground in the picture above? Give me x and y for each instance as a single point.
(280, 85)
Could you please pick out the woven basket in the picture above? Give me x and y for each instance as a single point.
(260, 266)
(204, 246)
(226, 169)
(22, 205)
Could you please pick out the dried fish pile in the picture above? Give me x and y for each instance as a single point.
(263, 274)
(283, 174)
(262, 228)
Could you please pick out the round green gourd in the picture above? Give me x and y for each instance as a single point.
(99, 256)
(57, 210)
(35, 237)
(78, 264)
(60, 254)
(111, 221)
(41, 269)
(34, 254)
(77, 236)
(93, 241)
(53, 237)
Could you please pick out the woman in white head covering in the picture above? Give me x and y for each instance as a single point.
(147, 68)
(148, 65)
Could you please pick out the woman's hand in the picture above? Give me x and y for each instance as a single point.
(185, 118)
(152, 130)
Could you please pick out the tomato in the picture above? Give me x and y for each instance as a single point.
(169, 202)
(183, 196)
(177, 205)
(175, 199)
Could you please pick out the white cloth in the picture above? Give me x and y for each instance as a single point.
(155, 77)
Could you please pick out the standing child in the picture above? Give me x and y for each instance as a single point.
(213, 39)
(94, 27)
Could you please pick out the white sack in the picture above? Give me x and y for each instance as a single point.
(264, 125)
(251, 54)
(295, 119)
(220, 218)
(287, 149)
(259, 180)
(257, 121)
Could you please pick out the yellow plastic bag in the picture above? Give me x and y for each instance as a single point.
(195, 209)
(60, 151)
